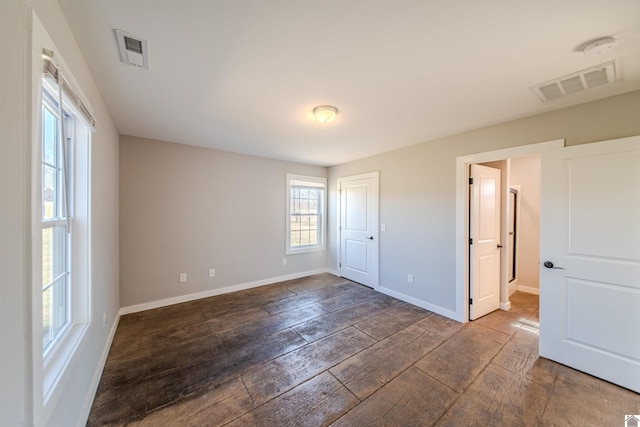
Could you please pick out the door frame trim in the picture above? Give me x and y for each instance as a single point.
(340, 180)
(462, 214)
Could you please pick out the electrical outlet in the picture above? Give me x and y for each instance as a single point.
(383, 227)
(409, 278)
(284, 261)
(104, 318)
(183, 277)
(212, 272)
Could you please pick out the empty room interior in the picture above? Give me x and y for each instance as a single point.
(295, 213)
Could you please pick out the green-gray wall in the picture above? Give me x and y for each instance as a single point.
(186, 209)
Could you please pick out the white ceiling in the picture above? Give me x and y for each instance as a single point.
(244, 75)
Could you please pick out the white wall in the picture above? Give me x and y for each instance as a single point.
(525, 171)
(189, 209)
(17, 400)
(417, 190)
(13, 214)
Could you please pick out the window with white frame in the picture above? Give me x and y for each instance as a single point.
(62, 211)
(306, 213)
(56, 233)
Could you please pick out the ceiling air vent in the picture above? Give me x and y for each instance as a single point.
(600, 75)
(133, 50)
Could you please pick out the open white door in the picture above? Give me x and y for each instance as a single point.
(590, 247)
(359, 228)
(484, 248)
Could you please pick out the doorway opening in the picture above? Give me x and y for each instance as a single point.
(506, 159)
(513, 204)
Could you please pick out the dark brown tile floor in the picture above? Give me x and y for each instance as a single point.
(322, 350)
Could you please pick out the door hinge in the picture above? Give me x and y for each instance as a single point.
(470, 301)
(470, 241)
(339, 264)
(470, 181)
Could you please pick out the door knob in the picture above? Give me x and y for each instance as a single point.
(499, 245)
(549, 264)
(370, 237)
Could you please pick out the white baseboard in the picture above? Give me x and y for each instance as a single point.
(219, 291)
(95, 381)
(422, 304)
(506, 306)
(529, 289)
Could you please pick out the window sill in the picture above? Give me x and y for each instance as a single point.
(306, 249)
(56, 362)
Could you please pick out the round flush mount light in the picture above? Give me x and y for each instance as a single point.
(325, 113)
(600, 46)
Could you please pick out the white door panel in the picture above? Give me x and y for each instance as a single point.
(484, 230)
(590, 235)
(355, 255)
(356, 207)
(589, 328)
(359, 228)
(590, 231)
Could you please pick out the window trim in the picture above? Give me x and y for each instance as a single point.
(51, 372)
(58, 355)
(322, 223)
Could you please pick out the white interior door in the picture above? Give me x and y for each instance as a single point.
(359, 228)
(590, 243)
(484, 248)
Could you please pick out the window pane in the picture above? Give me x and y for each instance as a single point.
(304, 237)
(46, 317)
(54, 310)
(295, 238)
(49, 192)
(304, 206)
(54, 251)
(59, 304)
(49, 134)
(295, 223)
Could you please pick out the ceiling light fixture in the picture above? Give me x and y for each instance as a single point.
(599, 46)
(325, 113)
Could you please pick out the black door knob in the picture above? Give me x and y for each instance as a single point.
(370, 237)
(549, 264)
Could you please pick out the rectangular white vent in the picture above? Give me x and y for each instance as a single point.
(133, 50)
(599, 75)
